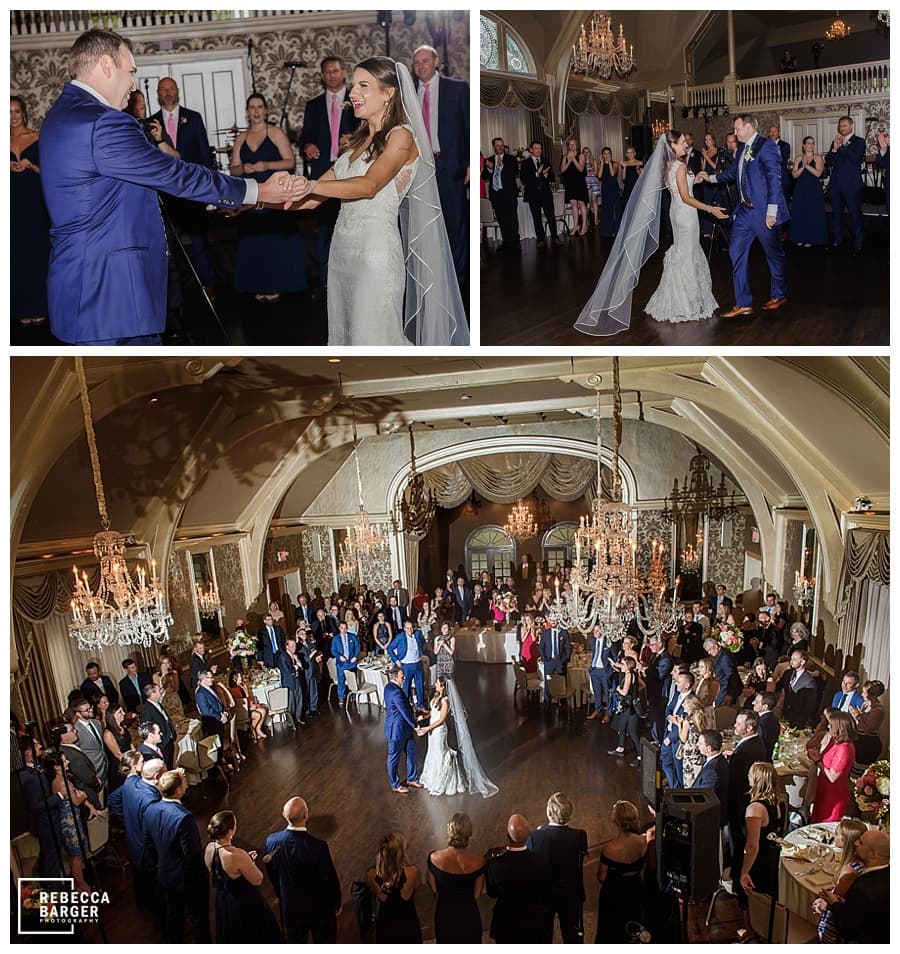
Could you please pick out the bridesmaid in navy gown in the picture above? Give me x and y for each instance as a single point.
(808, 225)
(457, 878)
(630, 170)
(242, 914)
(29, 222)
(270, 259)
(610, 197)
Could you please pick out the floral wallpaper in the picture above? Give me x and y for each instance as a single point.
(293, 543)
(39, 74)
(793, 546)
(181, 602)
(317, 572)
(650, 527)
(230, 579)
(726, 564)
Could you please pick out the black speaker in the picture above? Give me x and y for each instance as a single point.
(651, 773)
(687, 843)
(642, 140)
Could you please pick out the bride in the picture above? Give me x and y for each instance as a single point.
(385, 172)
(685, 290)
(446, 771)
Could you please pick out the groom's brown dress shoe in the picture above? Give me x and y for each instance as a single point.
(415, 785)
(737, 312)
(403, 790)
(773, 304)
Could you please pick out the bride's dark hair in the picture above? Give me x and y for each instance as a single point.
(672, 136)
(385, 72)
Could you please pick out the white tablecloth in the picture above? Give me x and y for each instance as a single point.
(797, 886)
(485, 645)
(526, 222)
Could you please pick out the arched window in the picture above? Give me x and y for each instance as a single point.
(502, 50)
(558, 545)
(489, 548)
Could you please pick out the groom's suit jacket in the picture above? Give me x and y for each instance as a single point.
(761, 181)
(399, 722)
(108, 259)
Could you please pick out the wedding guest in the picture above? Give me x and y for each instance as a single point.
(726, 673)
(808, 225)
(381, 633)
(456, 876)
(691, 724)
(759, 680)
(258, 712)
(67, 800)
(593, 186)
(788, 64)
(530, 640)
(799, 693)
(116, 740)
(769, 726)
(785, 150)
(153, 130)
(845, 186)
(709, 164)
(846, 836)
(393, 881)
(707, 687)
(626, 719)
(572, 174)
(500, 174)
(883, 162)
(693, 159)
(537, 175)
(620, 875)
(869, 717)
(629, 170)
(610, 196)
(864, 916)
(690, 639)
(835, 759)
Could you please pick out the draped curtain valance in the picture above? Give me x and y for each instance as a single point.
(513, 93)
(37, 598)
(504, 478)
(579, 101)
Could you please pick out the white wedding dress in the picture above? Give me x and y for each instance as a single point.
(685, 290)
(366, 270)
(442, 773)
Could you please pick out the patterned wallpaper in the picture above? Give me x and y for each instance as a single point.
(726, 564)
(40, 74)
(317, 572)
(376, 572)
(293, 543)
(181, 603)
(227, 557)
(650, 527)
(793, 546)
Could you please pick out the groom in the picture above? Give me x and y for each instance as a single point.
(400, 730)
(761, 208)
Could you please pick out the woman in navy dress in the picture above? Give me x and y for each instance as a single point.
(629, 170)
(808, 225)
(393, 880)
(610, 197)
(457, 878)
(29, 222)
(242, 914)
(270, 259)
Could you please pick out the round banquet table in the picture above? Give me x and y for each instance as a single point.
(577, 677)
(484, 644)
(798, 885)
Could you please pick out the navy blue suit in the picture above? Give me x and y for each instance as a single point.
(43, 820)
(412, 671)
(538, 194)
(130, 802)
(171, 835)
(671, 765)
(211, 709)
(727, 675)
(715, 776)
(769, 730)
(845, 187)
(108, 263)
(399, 730)
(659, 681)
(264, 644)
(759, 183)
(294, 680)
(554, 664)
(89, 688)
(602, 675)
(302, 873)
(342, 660)
(133, 698)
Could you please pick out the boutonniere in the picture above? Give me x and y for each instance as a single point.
(182, 121)
(749, 155)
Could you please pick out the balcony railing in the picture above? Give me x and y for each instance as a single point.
(841, 83)
(34, 23)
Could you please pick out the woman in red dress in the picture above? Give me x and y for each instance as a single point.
(836, 756)
(530, 640)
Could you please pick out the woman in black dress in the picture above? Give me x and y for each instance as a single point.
(573, 176)
(620, 874)
(116, 738)
(393, 880)
(242, 913)
(456, 876)
(626, 719)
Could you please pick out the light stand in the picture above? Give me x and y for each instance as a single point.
(384, 18)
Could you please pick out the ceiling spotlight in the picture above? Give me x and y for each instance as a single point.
(725, 111)
(334, 360)
(465, 397)
(153, 400)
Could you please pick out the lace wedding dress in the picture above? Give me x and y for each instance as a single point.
(441, 773)
(366, 269)
(685, 290)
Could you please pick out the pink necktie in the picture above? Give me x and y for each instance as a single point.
(426, 110)
(170, 127)
(335, 126)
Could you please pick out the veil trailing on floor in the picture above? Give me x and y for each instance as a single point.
(479, 783)
(433, 313)
(609, 309)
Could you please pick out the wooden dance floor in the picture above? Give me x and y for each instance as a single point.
(833, 299)
(337, 762)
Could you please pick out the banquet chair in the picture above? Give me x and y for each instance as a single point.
(787, 928)
(198, 757)
(562, 213)
(278, 704)
(331, 666)
(357, 686)
(724, 716)
(560, 690)
(241, 714)
(488, 220)
(527, 682)
(725, 887)
(23, 854)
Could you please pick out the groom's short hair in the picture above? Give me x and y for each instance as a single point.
(748, 118)
(394, 670)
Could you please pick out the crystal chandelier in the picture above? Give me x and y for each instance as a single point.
(838, 30)
(599, 52)
(692, 557)
(417, 502)
(121, 612)
(208, 601)
(521, 524)
(804, 592)
(698, 495)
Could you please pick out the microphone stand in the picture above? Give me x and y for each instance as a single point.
(283, 122)
(250, 62)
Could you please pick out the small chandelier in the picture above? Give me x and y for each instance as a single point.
(208, 600)
(660, 127)
(599, 52)
(804, 592)
(417, 502)
(698, 495)
(121, 612)
(838, 30)
(692, 557)
(521, 524)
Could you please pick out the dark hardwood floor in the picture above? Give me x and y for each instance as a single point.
(833, 298)
(338, 764)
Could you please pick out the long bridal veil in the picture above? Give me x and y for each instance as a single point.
(479, 783)
(433, 313)
(609, 309)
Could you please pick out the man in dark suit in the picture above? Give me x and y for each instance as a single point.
(520, 880)
(400, 730)
(690, 639)
(171, 834)
(536, 175)
(396, 614)
(715, 773)
(785, 151)
(131, 685)
(500, 173)
(323, 628)
(555, 649)
(674, 713)
(293, 679)
(658, 677)
(462, 601)
(481, 605)
(199, 662)
(187, 133)
(862, 917)
(693, 158)
(151, 736)
(300, 868)
(601, 673)
(269, 641)
(100, 177)
(154, 712)
(445, 111)
(769, 724)
(325, 123)
(720, 599)
(565, 848)
(213, 716)
(726, 673)
(97, 683)
(43, 821)
(845, 186)
(90, 736)
(750, 748)
(65, 739)
(800, 693)
(304, 611)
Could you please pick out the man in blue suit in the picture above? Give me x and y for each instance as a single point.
(270, 641)
(325, 123)
(302, 873)
(407, 649)
(171, 834)
(345, 650)
(601, 673)
(445, 110)
(658, 676)
(761, 208)
(213, 716)
(845, 186)
(849, 694)
(132, 684)
(100, 176)
(293, 679)
(668, 753)
(42, 807)
(730, 684)
(400, 730)
(555, 648)
(714, 775)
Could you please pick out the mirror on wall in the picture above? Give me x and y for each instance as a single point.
(205, 592)
(690, 564)
(805, 576)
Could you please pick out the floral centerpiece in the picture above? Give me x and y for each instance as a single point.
(873, 791)
(729, 637)
(786, 743)
(241, 644)
(521, 153)
(508, 603)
